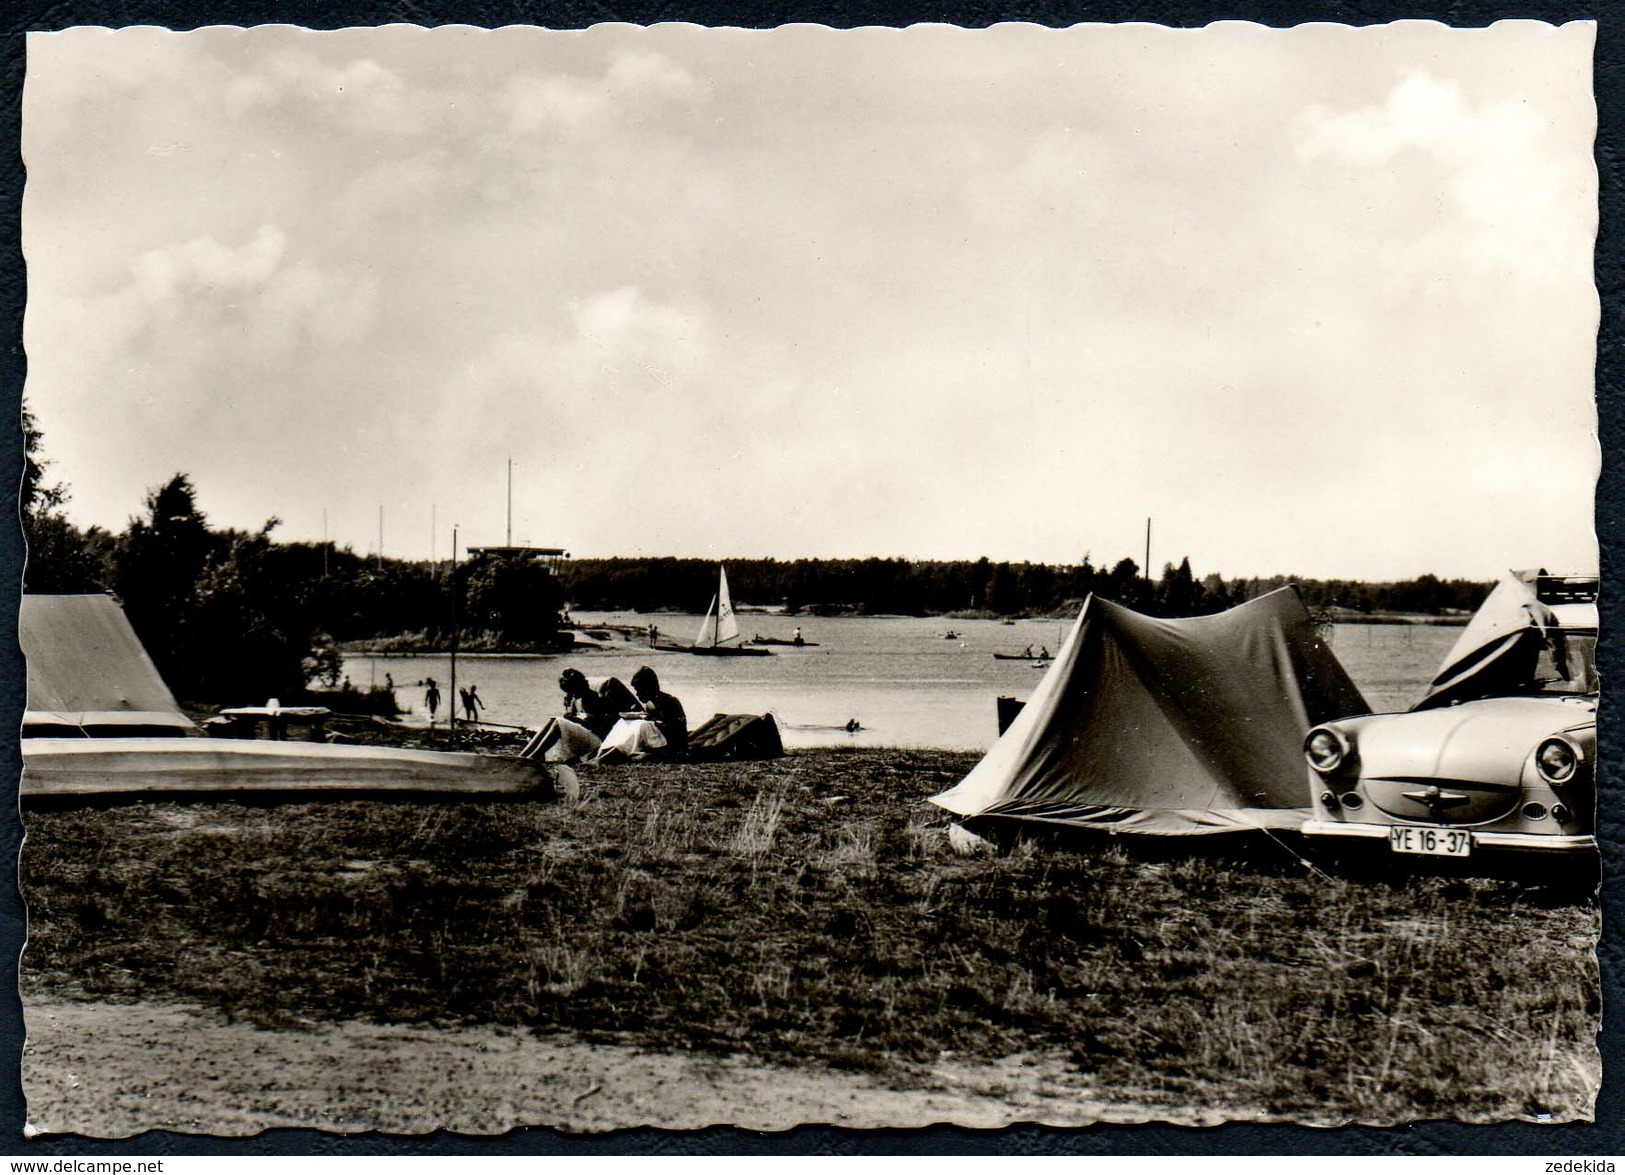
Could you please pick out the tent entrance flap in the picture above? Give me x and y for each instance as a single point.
(1168, 727)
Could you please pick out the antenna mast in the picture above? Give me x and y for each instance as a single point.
(451, 694)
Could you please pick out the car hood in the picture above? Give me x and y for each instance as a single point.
(1486, 741)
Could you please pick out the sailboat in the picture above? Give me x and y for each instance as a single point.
(720, 627)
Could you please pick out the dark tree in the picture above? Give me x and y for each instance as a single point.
(61, 557)
(250, 628)
(156, 572)
(1179, 594)
(35, 497)
(517, 600)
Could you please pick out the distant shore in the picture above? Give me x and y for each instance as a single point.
(1421, 618)
(418, 645)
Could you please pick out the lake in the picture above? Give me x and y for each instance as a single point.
(897, 676)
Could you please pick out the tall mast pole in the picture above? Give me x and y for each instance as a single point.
(432, 525)
(510, 502)
(1148, 550)
(324, 542)
(451, 694)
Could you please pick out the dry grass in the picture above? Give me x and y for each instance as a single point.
(755, 836)
(735, 908)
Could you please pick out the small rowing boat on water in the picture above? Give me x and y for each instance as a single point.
(779, 640)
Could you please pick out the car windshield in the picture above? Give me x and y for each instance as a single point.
(1567, 664)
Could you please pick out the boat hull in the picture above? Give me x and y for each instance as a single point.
(724, 651)
(128, 768)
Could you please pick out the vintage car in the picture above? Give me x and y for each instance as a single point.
(1500, 753)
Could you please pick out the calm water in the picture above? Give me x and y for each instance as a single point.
(897, 676)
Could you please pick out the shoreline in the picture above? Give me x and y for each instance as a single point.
(364, 649)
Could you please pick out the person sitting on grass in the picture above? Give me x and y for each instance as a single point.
(617, 699)
(665, 711)
(588, 716)
(656, 729)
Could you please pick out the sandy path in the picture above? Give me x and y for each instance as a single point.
(113, 1070)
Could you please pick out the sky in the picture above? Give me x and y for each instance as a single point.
(1316, 301)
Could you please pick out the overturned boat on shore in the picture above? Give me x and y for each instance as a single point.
(101, 724)
(167, 768)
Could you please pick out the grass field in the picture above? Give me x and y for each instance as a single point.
(807, 911)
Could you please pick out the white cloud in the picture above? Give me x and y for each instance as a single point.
(621, 330)
(563, 104)
(625, 368)
(360, 96)
(203, 300)
(1521, 198)
(1421, 112)
(203, 265)
(195, 323)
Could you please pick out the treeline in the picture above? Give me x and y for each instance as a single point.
(919, 587)
(236, 616)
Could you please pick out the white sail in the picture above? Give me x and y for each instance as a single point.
(719, 624)
(727, 626)
(708, 626)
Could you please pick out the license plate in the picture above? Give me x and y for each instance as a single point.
(1431, 842)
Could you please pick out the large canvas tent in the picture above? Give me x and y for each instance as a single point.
(1168, 727)
(88, 673)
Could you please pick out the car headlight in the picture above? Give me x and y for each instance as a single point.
(1557, 760)
(1325, 751)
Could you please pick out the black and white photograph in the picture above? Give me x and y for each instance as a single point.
(673, 576)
